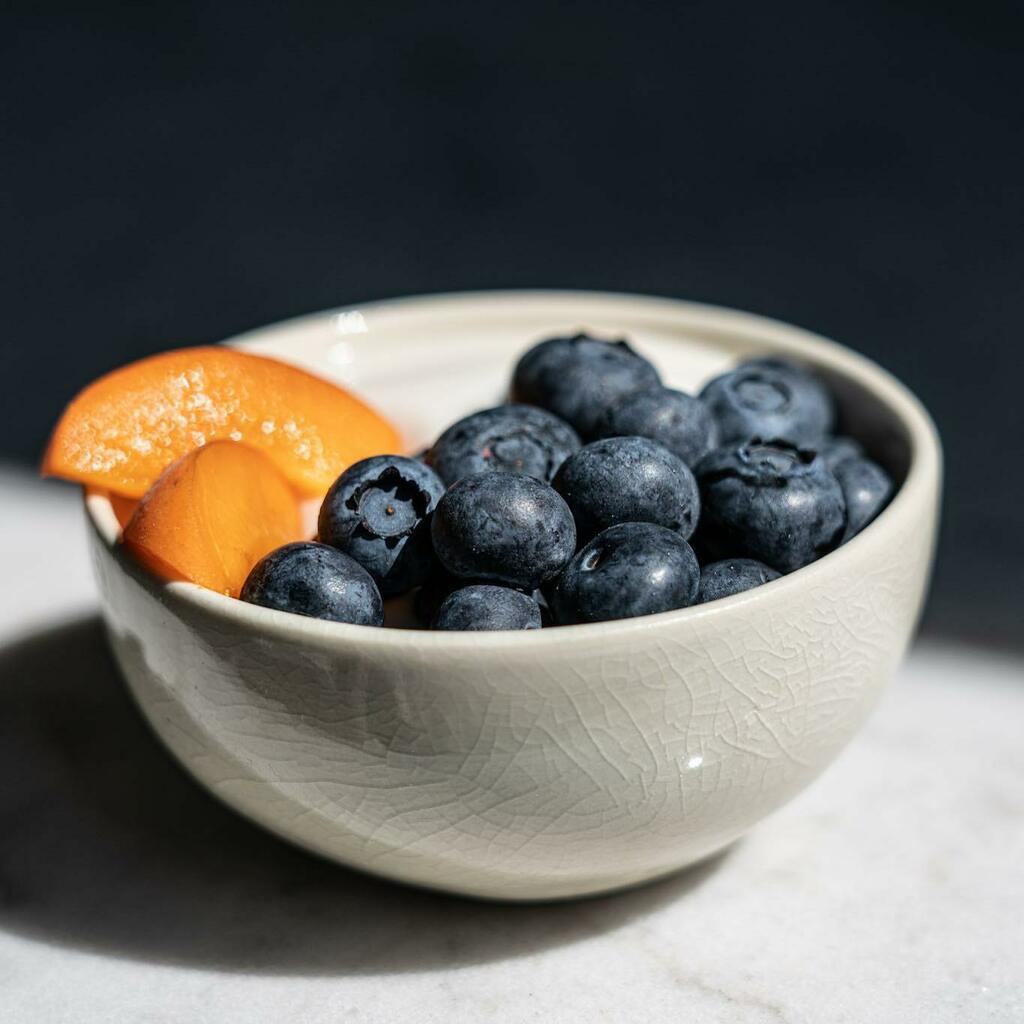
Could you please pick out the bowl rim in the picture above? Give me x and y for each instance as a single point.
(915, 494)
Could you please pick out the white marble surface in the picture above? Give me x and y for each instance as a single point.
(892, 891)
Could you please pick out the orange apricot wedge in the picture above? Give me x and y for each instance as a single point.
(213, 514)
(124, 429)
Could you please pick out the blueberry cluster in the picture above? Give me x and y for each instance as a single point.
(587, 498)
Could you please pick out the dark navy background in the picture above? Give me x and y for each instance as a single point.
(174, 172)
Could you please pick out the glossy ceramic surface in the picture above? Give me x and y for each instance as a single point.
(553, 763)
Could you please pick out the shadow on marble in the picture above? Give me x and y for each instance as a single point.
(106, 845)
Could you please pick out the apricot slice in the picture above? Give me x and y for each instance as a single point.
(212, 515)
(124, 429)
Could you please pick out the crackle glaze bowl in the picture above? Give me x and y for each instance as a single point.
(550, 763)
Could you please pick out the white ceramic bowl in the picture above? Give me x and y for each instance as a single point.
(541, 764)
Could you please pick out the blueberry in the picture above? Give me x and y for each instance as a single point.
(682, 423)
(773, 502)
(378, 512)
(315, 580)
(770, 398)
(487, 607)
(513, 438)
(627, 570)
(732, 576)
(835, 450)
(503, 528)
(441, 584)
(578, 378)
(628, 480)
(867, 489)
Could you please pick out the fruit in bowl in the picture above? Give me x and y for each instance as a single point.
(205, 454)
(124, 429)
(508, 496)
(211, 515)
(493, 757)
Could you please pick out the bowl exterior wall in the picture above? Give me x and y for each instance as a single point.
(565, 768)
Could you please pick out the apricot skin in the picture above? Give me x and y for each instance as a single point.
(212, 515)
(124, 429)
